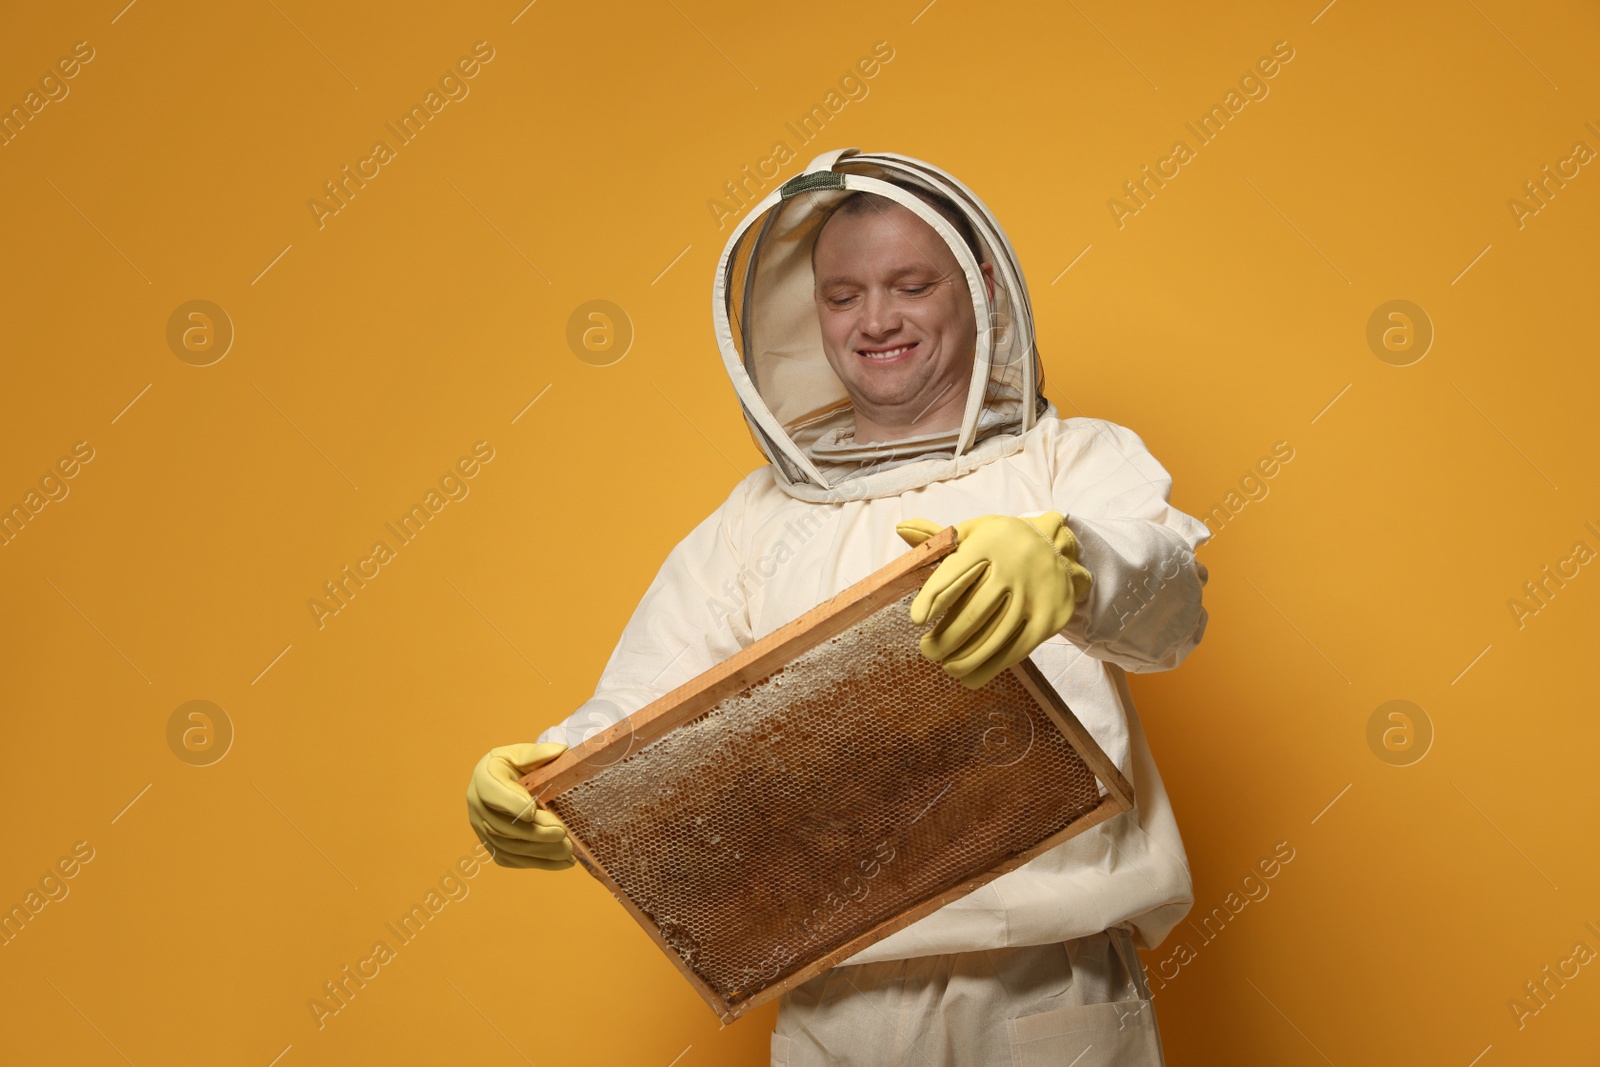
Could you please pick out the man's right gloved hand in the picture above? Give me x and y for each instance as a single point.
(505, 816)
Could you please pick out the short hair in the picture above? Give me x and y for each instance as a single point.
(861, 201)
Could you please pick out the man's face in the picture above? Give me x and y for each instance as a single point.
(897, 321)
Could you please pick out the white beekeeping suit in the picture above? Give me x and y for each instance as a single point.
(1045, 951)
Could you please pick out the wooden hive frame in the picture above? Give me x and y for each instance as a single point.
(756, 662)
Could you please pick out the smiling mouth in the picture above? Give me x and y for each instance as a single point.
(887, 355)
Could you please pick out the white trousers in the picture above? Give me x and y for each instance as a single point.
(1080, 1003)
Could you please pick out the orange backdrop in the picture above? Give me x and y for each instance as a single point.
(1404, 495)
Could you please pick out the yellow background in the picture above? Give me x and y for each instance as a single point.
(1225, 316)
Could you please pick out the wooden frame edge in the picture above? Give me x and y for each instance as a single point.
(1077, 734)
(601, 875)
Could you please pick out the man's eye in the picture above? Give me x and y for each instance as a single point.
(839, 301)
(916, 290)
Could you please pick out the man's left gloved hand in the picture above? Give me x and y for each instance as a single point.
(1010, 584)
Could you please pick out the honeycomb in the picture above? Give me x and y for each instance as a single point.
(840, 791)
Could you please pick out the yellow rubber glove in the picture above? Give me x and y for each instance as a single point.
(1010, 584)
(506, 817)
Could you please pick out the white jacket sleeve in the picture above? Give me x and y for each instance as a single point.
(1143, 612)
(694, 615)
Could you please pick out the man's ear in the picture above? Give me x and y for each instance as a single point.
(988, 278)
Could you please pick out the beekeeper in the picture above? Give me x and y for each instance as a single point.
(874, 320)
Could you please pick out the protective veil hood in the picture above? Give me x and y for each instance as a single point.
(796, 406)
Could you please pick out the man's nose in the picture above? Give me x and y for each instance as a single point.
(880, 316)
